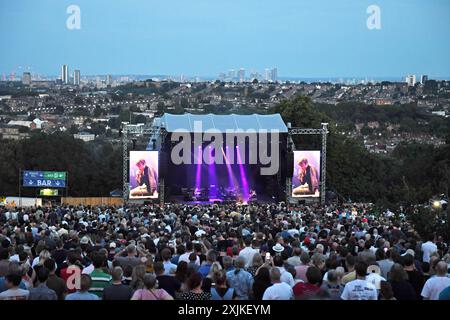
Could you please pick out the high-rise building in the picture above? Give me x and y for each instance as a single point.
(65, 74)
(266, 74)
(241, 75)
(423, 79)
(231, 74)
(26, 78)
(274, 74)
(109, 80)
(76, 77)
(411, 80)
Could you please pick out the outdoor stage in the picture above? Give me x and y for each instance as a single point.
(203, 159)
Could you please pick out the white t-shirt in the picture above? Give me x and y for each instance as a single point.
(375, 279)
(278, 291)
(248, 253)
(185, 257)
(88, 269)
(434, 286)
(359, 290)
(428, 248)
(286, 276)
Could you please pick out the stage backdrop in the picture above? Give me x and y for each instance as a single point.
(143, 175)
(306, 174)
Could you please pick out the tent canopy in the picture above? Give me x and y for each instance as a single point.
(200, 123)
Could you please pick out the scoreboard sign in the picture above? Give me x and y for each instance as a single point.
(51, 179)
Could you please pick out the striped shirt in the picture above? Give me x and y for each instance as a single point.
(100, 280)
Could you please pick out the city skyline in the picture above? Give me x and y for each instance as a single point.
(201, 38)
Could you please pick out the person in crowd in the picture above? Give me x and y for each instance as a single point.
(166, 282)
(435, 285)
(386, 292)
(206, 266)
(137, 277)
(141, 239)
(248, 252)
(333, 287)
(83, 292)
(117, 290)
(279, 290)
(262, 282)
(257, 262)
(195, 291)
(14, 292)
(131, 257)
(415, 277)
(428, 248)
(221, 291)
(307, 290)
(42, 291)
(169, 267)
(100, 279)
(54, 282)
(360, 288)
(382, 256)
(240, 280)
(150, 290)
(402, 288)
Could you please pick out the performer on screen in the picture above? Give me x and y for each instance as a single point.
(308, 177)
(146, 178)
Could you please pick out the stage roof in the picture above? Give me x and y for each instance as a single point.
(185, 122)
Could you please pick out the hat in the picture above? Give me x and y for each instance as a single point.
(374, 269)
(278, 248)
(199, 233)
(112, 245)
(409, 251)
(84, 240)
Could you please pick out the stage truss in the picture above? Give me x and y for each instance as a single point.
(323, 162)
(130, 131)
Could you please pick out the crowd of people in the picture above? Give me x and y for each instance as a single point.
(218, 252)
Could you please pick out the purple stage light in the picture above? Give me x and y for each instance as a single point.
(245, 189)
(212, 175)
(231, 178)
(199, 169)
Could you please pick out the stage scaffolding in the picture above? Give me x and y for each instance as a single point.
(157, 136)
(323, 156)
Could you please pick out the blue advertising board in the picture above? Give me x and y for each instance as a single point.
(53, 179)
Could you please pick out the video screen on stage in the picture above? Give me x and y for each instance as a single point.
(143, 175)
(306, 174)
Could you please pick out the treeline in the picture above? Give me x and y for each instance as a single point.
(412, 174)
(94, 169)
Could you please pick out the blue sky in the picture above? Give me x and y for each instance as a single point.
(303, 38)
